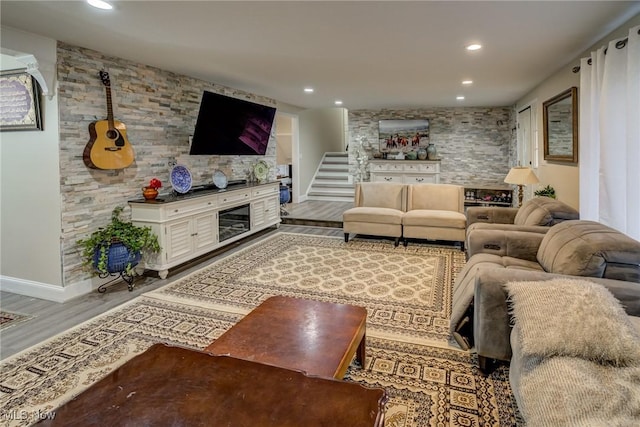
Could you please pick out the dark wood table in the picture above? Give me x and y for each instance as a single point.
(173, 386)
(318, 338)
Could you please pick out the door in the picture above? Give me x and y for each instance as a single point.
(205, 231)
(527, 153)
(179, 239)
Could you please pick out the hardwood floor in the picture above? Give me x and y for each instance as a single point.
(52, 318)
(316, 212)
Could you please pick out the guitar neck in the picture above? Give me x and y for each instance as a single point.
(109, 109)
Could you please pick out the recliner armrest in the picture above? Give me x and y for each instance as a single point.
(517, 244)
(491, 318)
(491, 214)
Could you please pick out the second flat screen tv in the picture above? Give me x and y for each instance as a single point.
(231, 126)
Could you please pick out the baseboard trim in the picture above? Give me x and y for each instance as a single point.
(45, 291)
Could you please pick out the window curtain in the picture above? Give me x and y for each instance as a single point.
(609, 117)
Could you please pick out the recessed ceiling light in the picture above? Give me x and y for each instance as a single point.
(308, 89)
(459, 98)
(467, 82)
(338, 102)
(100, 4)
(474, 46)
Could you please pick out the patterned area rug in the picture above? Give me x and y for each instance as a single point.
(8, 319)
(407, 291)
(428, 386)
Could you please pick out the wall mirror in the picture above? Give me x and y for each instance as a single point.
(560, 117)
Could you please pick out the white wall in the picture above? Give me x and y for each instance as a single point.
(564, 177)
(30, 199)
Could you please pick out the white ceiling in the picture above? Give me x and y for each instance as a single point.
(387, 54)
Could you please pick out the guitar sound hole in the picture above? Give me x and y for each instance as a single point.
(112, 134)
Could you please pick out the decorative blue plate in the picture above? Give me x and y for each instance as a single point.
(220, 179)
(180, 179)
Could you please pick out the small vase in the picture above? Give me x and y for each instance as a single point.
(149, 193)
(432, 154)
(422, 154)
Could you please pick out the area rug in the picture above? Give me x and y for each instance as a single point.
(8, 319)
(407, 291)
(427, 386)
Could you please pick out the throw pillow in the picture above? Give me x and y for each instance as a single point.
(570, 317)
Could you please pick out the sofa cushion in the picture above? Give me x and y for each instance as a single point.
(544, 211)
(434, 218)
(572, 317)
(444, 197)
(373, 215)
(588, 248)
(381, 195)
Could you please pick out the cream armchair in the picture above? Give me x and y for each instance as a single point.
(435, 212)
(378, 210)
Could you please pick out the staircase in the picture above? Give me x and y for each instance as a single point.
(332, 180)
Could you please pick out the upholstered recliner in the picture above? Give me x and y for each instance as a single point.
(535, 215)
(575, 248)
(435, 212)
(378, 210)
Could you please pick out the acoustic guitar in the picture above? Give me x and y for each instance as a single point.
(108, 147)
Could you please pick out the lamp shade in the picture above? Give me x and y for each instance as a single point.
(521, 175)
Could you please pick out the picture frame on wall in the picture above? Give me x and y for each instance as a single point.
(403, 135)
(19, 101)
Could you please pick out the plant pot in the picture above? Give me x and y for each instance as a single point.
(149, 193)
(119, 257)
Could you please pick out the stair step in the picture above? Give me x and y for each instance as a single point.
(336, 154)
(328, 191)
(332, 167)
(333, 198)
(332, 176)
(333, 184)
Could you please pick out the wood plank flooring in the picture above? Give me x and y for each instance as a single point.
(52, 318)
(316, 212)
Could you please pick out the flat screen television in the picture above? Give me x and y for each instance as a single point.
(231, 126)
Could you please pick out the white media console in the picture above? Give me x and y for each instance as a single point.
(194, 224)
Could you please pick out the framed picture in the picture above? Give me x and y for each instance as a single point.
(403, 135)
(19, 101)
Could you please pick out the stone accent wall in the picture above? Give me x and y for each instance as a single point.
(476, 145)
(159, 109)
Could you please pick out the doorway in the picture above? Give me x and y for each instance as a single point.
(287, 153)
(527, 145)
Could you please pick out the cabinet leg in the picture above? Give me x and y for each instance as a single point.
(163, 274)
(346, 237)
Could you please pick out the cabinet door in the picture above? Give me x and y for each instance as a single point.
(179, 241)
(272, 209)
(205, 231)
(258, 213)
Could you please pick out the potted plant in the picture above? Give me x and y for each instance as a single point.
(117, 247)
(547, 191)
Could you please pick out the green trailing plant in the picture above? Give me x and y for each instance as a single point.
(136, 239)
(547, 191)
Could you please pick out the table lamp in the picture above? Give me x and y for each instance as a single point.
(521, 176)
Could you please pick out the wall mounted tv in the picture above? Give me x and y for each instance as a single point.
(231, 126)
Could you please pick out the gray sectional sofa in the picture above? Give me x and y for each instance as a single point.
(535, 215)
(574, 248)
(563, 308)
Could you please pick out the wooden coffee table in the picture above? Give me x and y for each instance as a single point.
(318, 338)
(173, 386)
